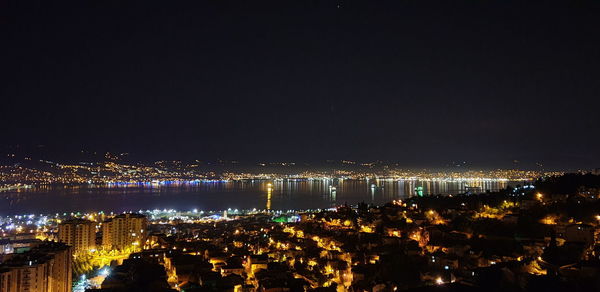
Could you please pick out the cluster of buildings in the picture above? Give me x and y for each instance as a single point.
(473, 242)
(118, 232)
(28, 264)
(515, 240)
(49, 172)
(462, 242)
(38, 267)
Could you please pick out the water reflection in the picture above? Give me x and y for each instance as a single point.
(247, 194)
(269, 195)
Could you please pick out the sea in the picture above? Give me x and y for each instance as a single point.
(287, 194)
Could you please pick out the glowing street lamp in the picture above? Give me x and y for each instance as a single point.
(105, 272)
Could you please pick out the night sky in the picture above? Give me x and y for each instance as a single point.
(422, 83)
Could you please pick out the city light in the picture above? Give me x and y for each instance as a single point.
(105, 272)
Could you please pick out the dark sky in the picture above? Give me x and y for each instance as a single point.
(423, 83)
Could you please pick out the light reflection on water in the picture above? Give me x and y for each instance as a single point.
(247, 194)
